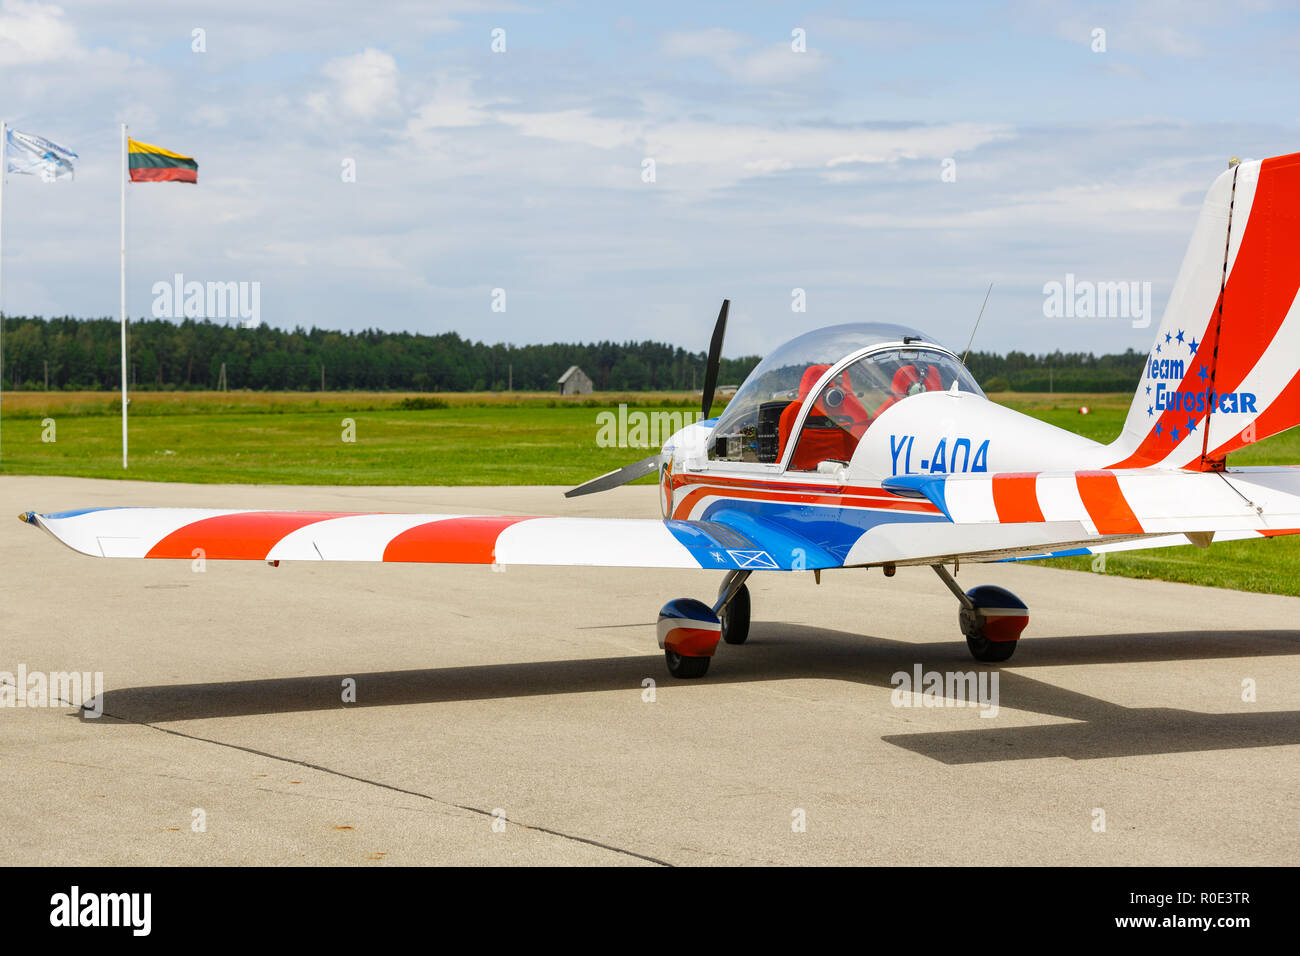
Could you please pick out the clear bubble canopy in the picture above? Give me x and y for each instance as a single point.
(756, 422)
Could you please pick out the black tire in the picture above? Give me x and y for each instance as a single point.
(735, 618)
(686, 667)
(990, 652)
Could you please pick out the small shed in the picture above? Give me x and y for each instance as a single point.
(574, 382)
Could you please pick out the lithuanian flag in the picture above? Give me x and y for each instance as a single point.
(153, 164)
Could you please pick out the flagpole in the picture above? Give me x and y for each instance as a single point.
(123, 303)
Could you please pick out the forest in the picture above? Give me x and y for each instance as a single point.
(83, 354)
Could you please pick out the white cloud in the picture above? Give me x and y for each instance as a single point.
(737, 56)
(1172, 28)
(32, 33)
(364, 86)
(713, 153)
(574, 126)
(736, 147)
(877, 35)
(453, 104)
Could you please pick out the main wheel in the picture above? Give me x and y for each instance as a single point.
(735, 617)
(679, 665)
(999, 612)
(991, 652)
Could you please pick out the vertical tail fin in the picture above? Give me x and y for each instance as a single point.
(1225, 367)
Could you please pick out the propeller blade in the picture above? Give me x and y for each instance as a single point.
(715, 356)
(620, 476)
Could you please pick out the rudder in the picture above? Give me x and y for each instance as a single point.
(1225, 367)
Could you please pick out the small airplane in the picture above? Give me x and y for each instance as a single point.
(871, 446)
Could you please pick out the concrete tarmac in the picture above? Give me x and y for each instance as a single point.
(507, 718)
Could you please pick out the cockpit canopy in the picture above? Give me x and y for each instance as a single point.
(758, 423)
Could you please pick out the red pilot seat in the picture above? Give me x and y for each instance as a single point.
(823, 436)
(905, 379)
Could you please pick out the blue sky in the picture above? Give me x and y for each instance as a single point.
(522, 170)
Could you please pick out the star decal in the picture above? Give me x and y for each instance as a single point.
(1173, 434)
(1193, 345)
(1201, 372)
(1159, 430)
(1157, 348)
(1150, 411)
(1191, 426)
(1148, 389)
(1179, 336)
(1168, 337)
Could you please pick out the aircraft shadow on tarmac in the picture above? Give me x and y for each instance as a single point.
(793, 652)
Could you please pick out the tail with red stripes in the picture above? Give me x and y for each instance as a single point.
(1225, 367)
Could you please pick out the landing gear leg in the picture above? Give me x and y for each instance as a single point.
(991, 618)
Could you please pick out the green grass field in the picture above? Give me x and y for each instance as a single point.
(491, 439)
(297, 438)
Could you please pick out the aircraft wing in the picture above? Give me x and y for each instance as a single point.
(983, 518)
(430, 538)
(1046, 514)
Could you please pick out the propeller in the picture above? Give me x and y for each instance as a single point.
(715, 357)
(619, 476)
(650, 464)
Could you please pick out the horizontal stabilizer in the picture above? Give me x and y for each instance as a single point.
(1141, 501)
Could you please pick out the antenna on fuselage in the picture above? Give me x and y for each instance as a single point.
(977, 325)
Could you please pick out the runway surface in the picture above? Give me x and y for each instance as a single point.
(522, 694)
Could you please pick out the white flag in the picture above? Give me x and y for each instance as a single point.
(37, 156)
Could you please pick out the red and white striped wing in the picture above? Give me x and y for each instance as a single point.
(326, 536)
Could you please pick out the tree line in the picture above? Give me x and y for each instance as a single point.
(1057, 371)
(83, 354)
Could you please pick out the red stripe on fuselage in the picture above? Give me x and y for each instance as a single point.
(470, 540)
(865, 491)
(830, 496)
(247, 536)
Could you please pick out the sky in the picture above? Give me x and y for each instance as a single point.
(890, 160)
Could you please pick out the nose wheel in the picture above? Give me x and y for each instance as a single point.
(689, 630)
(683, 667)
(981, 648)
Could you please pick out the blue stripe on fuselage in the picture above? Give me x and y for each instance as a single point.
(824, 532)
